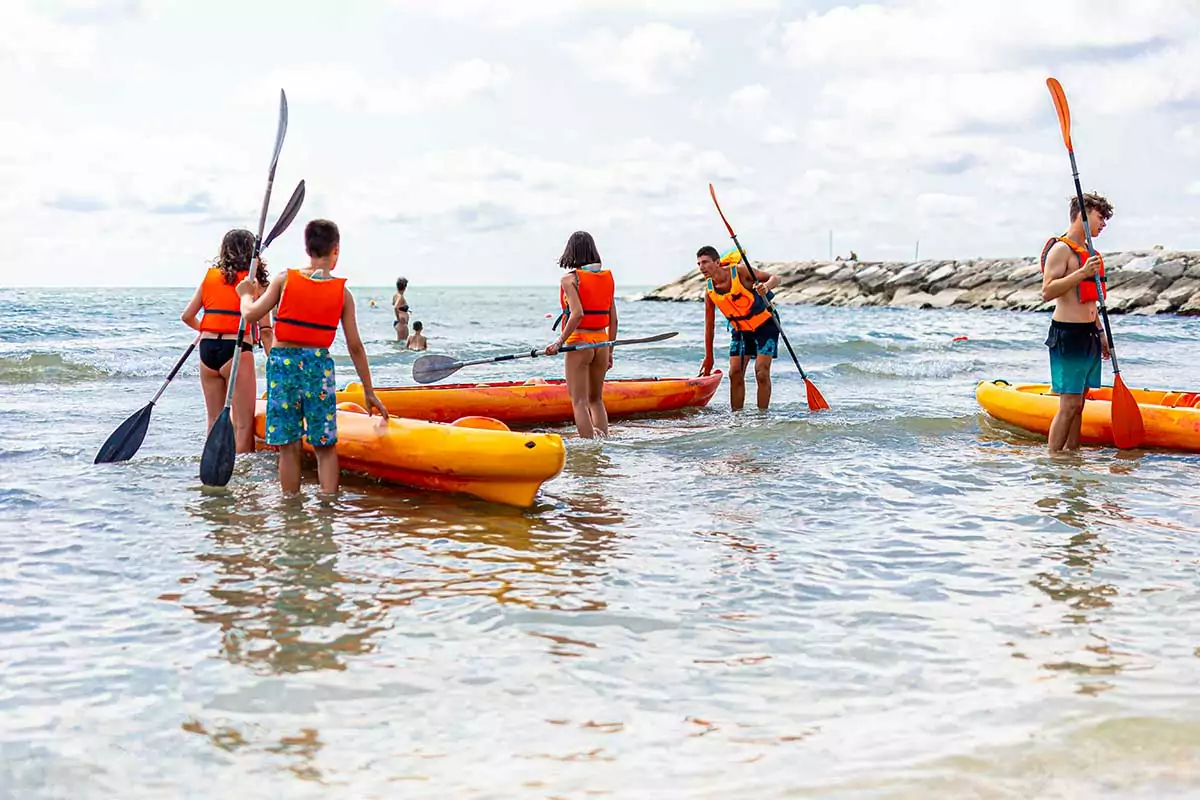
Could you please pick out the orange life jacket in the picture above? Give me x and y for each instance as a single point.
(309, 310)
(745, 309)
(222, 306)
(596, 293)
(1087, 288)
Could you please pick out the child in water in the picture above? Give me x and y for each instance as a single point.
(417, 340)
(301, 384)
(217, 296)
(400, 307)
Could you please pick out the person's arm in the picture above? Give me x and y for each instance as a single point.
(266, 331)
(709, 323)
(1057, 281)
(766, 280)
(253, 310)
(612, 330)
(192, 309)
(575, 306)
(358, 354)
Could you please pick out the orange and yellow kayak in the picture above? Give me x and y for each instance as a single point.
(475, 456)
(1171, 418)
(537, 401)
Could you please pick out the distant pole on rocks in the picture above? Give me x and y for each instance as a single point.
(831, 244)
(917, 251)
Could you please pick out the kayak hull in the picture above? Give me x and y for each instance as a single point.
(498, 465)
(525, 403)
(1171, 418)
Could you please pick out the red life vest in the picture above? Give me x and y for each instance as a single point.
(222, 306)
(1086, 289)
(309, 310)
(596, 292)
(746, 310)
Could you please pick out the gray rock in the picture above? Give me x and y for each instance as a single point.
(1171, 269)
(1179, 291)
(1144, 264)
(1192, 306)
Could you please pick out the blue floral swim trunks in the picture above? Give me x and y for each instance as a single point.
(301, 398)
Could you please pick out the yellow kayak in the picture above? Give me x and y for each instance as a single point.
(1171, 418)
(474, 455)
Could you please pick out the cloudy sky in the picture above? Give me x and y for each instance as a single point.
(461, 141)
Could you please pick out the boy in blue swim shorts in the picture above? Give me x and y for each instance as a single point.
(301, 381)
(1075, 340)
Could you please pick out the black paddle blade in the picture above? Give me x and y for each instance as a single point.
(216, 463)
(125, 440)
(289, 213)
(433, 368)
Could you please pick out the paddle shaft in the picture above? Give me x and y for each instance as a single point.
(534, 353)
(262, 223)
(774, 311)
(1087, 233)
(175, 369)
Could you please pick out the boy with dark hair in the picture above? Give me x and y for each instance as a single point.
(417, 340)
(755, 334)
(301, 384)
(1075, 340)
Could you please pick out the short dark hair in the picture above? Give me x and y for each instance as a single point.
(580, 251)
(401, 284)
(1092, 202)
(320, 237)
(710, 251)
(417, 325)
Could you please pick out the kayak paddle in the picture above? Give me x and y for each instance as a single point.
(433, 368)
(124, 442)
(816, 402)
(1127, 427)
(216, 462)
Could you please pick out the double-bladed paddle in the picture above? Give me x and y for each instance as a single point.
(123, 443)
(433, 368)
(1128, 429)
(816, 401)
(216, 462)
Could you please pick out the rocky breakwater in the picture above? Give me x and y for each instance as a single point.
(1154, 281)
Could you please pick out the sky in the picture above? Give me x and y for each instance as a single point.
(460, 142)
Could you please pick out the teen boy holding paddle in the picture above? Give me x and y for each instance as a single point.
(1076, 338)
(755, 334)
(301, 383)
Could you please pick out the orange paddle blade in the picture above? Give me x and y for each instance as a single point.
(1127, 427)
(713, 192)
(816, 402)
(1064, 111)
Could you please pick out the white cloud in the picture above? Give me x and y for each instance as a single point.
(936, 34)
(755, 109)
(345, 87)
(529, 12)
(645, 60)
(1194, 188)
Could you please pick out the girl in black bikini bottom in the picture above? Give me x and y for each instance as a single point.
(216, 353)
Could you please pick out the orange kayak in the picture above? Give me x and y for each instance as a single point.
(475, 456)
(538, 400)
(1171, 418)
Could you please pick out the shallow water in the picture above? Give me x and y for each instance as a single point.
(896, 598)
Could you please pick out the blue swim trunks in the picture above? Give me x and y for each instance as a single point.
(301, 398)
(762, 341)
(1074, 357)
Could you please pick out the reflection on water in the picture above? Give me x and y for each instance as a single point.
(274, 588)
(1082, 554)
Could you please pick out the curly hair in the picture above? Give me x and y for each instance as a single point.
(237, 248)
(1092, 202)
